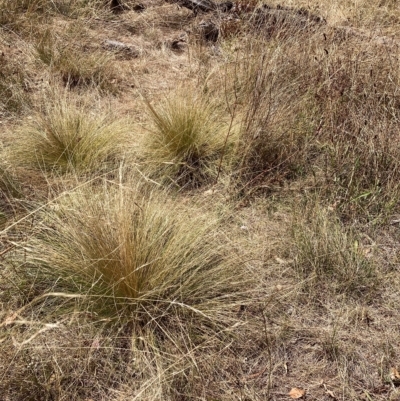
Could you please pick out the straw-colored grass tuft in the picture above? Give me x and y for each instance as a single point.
(185, 141)
(128, 251)
(70, 138)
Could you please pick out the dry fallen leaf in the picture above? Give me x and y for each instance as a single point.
(297, 393)
(95, 344)
(367, 252)
(395, 376)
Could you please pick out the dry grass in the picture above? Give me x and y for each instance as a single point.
(186, 140)
(144, 271)
(10, 192)
(71, 138)
(94, 70)
(278, 118)
(134, 250)
(331, 110)
(75, 66)
(278, 265)
(14, 93)
(329, 256)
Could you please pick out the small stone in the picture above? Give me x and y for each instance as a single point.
(139, 8)
(120, 47)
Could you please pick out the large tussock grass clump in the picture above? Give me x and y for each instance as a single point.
(185, 141)
(137, 288)
(70, 138)
(124, 250)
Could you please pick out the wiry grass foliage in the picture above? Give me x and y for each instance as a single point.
(277, 119)
(14, 96)
(10, 189)
(76, 8)
(26, 6)
(332, 110)
(71, 138)
(8, 183)
(331, 256)
(75, 66)
(185, 141)
(16, 14)
(20, 15)
(360, 106)
(136, 253)
(66, 360)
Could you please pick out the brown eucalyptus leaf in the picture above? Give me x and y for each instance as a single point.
(297, 393)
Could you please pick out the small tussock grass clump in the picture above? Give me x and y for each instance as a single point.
(130, 251)
(80, 69)
(185, 142)
(77, 67)
(331, 256)
(71, 138)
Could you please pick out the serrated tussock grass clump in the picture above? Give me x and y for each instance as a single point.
(185, 140)
(71, 138)
(75, 66)
(330, 255)
(80, 69)
(126, 251)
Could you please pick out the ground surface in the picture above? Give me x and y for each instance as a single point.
(319, 237)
